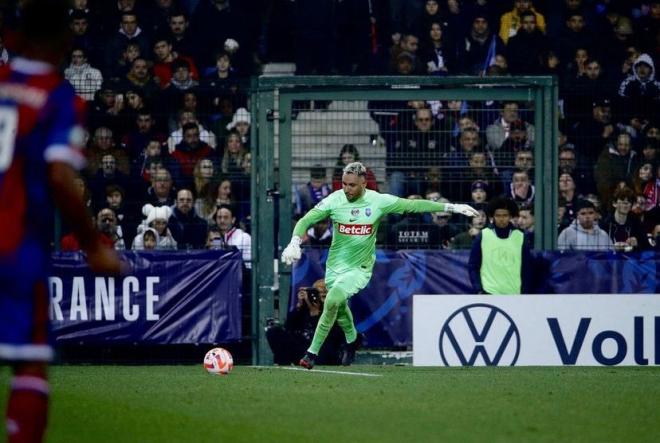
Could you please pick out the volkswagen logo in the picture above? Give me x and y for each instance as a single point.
(479, 334)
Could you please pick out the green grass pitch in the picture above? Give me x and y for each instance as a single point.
(183, 403)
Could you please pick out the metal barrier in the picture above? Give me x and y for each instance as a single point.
(302, 122)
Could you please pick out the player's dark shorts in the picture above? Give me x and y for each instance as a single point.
(24, 324)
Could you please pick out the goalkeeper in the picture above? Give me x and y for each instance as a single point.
(356, 213)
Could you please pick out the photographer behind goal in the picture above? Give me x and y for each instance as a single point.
(288, 342)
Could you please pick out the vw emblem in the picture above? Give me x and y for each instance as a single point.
(479, 334)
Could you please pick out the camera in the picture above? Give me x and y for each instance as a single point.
(313, 295)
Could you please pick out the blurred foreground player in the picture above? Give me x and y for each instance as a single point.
(355, 212)
(39, 140)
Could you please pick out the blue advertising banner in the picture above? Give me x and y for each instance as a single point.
(169, 298)
(383, 310)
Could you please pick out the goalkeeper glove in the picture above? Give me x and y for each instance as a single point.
(291, 253)
(458, 208)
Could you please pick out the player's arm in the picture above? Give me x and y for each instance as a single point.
(398, 205)
(101, 259)
(292, 252)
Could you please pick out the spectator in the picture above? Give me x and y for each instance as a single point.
(349, 154)
(620, 38)
(181, 82)
(524, 49)
(523, 160)
(221, 82)
(233, 154)
(442, 220)
(165, 58)
(161, 192)
(106, 223)
(647, 27)
(640, 91)
(122, 66)
(129, 31)
(290, 341)
(190, 151)
(642, 177)
(573, 36)
(468, 143)
(176, 136)
(139, 76)
(623, 228)
(521, 190)
(103, 144)
(157, 218)
(125, 210)
(105, 108)
(653, 238)
(85, 79)
(135, 102)
(516, 142)
(651, 192)
(584, 234)
(500, 130)
(187, 228)
(593, 134)
(615, 165)
(409, 44)
(500, 260)
(414, 153)
(213, 194)
(511, 21)
(569, 195)
(181, 37)
(79, 25)
(583, 89)
(149, 239)
(232, 235)
(203, 173)
(479, 190)
(241, 124)
(473, 50)
(319, 234)
(213, 22)
(438, 55)
(479, 168)
(312, 192)
(465, 239)
(526, 224)
(143, 132)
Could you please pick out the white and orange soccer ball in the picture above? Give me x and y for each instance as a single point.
(218, 361)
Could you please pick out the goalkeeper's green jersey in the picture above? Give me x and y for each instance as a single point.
(355, 225)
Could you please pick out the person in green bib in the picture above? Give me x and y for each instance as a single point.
(500, 260)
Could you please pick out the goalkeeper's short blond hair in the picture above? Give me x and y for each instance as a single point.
(356, 168)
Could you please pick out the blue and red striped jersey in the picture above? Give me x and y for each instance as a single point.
(40, 122)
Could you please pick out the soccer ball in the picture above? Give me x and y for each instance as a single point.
(218, 361)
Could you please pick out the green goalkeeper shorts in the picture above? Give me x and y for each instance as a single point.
(350, 282)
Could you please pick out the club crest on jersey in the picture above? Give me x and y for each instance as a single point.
(355, 229)
(355, 212)
(368, 212)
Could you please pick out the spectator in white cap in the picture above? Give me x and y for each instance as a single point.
(241, 124)
(157, 219)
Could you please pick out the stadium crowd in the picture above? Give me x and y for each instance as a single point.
(168, 121)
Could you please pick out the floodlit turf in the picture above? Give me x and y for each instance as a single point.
(182, 403)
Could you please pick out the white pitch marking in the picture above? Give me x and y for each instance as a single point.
(325, 371)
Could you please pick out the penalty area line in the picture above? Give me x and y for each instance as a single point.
(324, 371)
